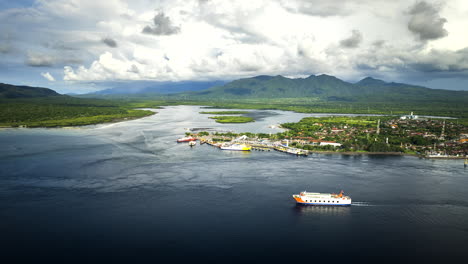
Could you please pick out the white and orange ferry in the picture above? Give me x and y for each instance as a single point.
(322, 198)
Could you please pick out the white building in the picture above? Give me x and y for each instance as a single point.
(409, 116)
(328, 143)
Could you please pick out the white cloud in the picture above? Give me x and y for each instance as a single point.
(103, 40)
(48, 76)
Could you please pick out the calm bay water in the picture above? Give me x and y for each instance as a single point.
(127, 191)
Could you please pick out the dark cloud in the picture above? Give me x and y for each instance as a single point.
(162, 26)
(58, 45)
(110, 42)
(39, 60)
(36, 59)
(353, 41)
(443, 61)
(426, 23)
(133, 69)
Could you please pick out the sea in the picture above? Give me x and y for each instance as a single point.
(127, 192)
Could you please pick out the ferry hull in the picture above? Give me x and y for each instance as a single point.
(181, 140)
(324, 204)
(325, 201)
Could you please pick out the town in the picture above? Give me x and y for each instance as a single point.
(409, 134)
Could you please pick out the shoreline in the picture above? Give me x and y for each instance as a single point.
(350, 153)
(117, 120)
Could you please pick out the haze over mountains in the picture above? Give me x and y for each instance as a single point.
(147, 87)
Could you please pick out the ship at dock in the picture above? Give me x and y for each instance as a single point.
(235, 146)
(186, 139)
(311, 198)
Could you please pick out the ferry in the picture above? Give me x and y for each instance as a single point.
(310, 198)
(186, 139)
(235, 146)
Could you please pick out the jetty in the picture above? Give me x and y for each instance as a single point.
(255, 144)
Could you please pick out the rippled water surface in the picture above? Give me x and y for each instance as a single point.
(128, 191)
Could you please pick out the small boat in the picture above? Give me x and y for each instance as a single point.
(186, 139)
(466, 162)
(235, 146)
(310, 198)
(192, 143)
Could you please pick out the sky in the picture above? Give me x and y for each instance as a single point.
(80, 46)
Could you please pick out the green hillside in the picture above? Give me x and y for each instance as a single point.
(13, 91)
(327, 88)
(42, 107)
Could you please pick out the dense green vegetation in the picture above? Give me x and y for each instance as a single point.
(306, 105)
(363, 135)
(28, 106)
(232, 119)
(318, 94)
(13, 91)
(224, 112)
(56, 111)
(360, 134)
(327, 88)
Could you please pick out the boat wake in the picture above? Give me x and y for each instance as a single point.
(361, 204)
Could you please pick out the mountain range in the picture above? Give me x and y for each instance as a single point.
(327, 88)
(321, 88)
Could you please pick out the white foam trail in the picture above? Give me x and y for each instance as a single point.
(361, 204)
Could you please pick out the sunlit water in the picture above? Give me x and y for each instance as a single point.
(128, 191)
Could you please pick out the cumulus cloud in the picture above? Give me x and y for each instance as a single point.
(162, 26)
(110, 42)
(234, 39)
(48, 76)
(39, 60)
(425, 22)
(353, 41)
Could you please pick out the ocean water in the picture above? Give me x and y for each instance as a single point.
(128, 192)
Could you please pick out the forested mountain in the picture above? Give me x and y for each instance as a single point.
(14, 91)
(42, 107)
(328, 88)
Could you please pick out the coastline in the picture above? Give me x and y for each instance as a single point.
(113, 121)
(350, 153)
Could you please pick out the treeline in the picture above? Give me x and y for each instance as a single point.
(313, 105)
(63, 111)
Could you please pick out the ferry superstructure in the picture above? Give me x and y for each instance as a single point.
(311, 198)
(235, 146)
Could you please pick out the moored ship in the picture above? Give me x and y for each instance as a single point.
(310, 198)
(186, 139)
(235, 146)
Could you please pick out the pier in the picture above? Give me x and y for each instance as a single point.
(256, 144)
